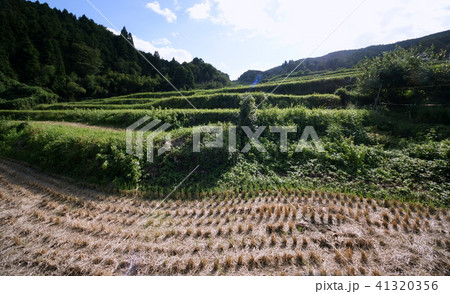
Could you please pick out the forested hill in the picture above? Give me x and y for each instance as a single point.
(346, 58)
(75, 57)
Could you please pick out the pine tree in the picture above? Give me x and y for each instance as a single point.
(27, 64)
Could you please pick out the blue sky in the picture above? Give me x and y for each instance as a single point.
(236, 35)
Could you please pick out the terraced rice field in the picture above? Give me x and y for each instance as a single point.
(52, 226)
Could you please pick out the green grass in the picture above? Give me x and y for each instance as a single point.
(89, 154)
(92, 155)
(314, 84)
(189, 117)
(369, 152)
(366, 153)
(340, 73)
(123, 118)
(212, 101)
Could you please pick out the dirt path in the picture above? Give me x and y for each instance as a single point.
(78, 125)
(52, 226)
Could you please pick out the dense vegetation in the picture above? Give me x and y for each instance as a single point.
(212, 101)
(74, 57)
(15, 95)
(406, 76)
(368, 150)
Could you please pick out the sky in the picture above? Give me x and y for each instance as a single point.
(238, 35)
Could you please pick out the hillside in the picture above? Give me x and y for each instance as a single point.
(75, 57)
(106, 170)
(345, 58)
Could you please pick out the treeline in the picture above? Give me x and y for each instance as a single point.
(75, 57)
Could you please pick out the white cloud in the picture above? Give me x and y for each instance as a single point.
(200, 11)
(307, 23)
(162, 42)
(177, 5)
(166, 50)
(166, 12)
(113, 31)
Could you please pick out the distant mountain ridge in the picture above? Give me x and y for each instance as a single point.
(345, 58)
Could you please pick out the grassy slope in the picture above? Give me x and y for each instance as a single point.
(364, 154)
(211, 101)
(234, 218)
(122, 118)
(368, 152)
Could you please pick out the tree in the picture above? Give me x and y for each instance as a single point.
(86, 60)
(127, 35)
(402, 76)
(27, 62)
(183, 77)
(248, 112)
(75, 57)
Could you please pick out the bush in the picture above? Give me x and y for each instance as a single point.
(404, 76)
(428, 114)
(248, 113)
(90, 155)
(14, 95)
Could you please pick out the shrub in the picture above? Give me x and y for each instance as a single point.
(93, 155)
(404, 76)
(14, 95)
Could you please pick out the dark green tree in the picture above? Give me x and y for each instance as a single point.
(27, 64)
(127, 35)
(403, 75)
(248, 112)
(183, 77)
(86, 60)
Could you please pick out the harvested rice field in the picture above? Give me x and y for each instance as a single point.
(52, 226)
